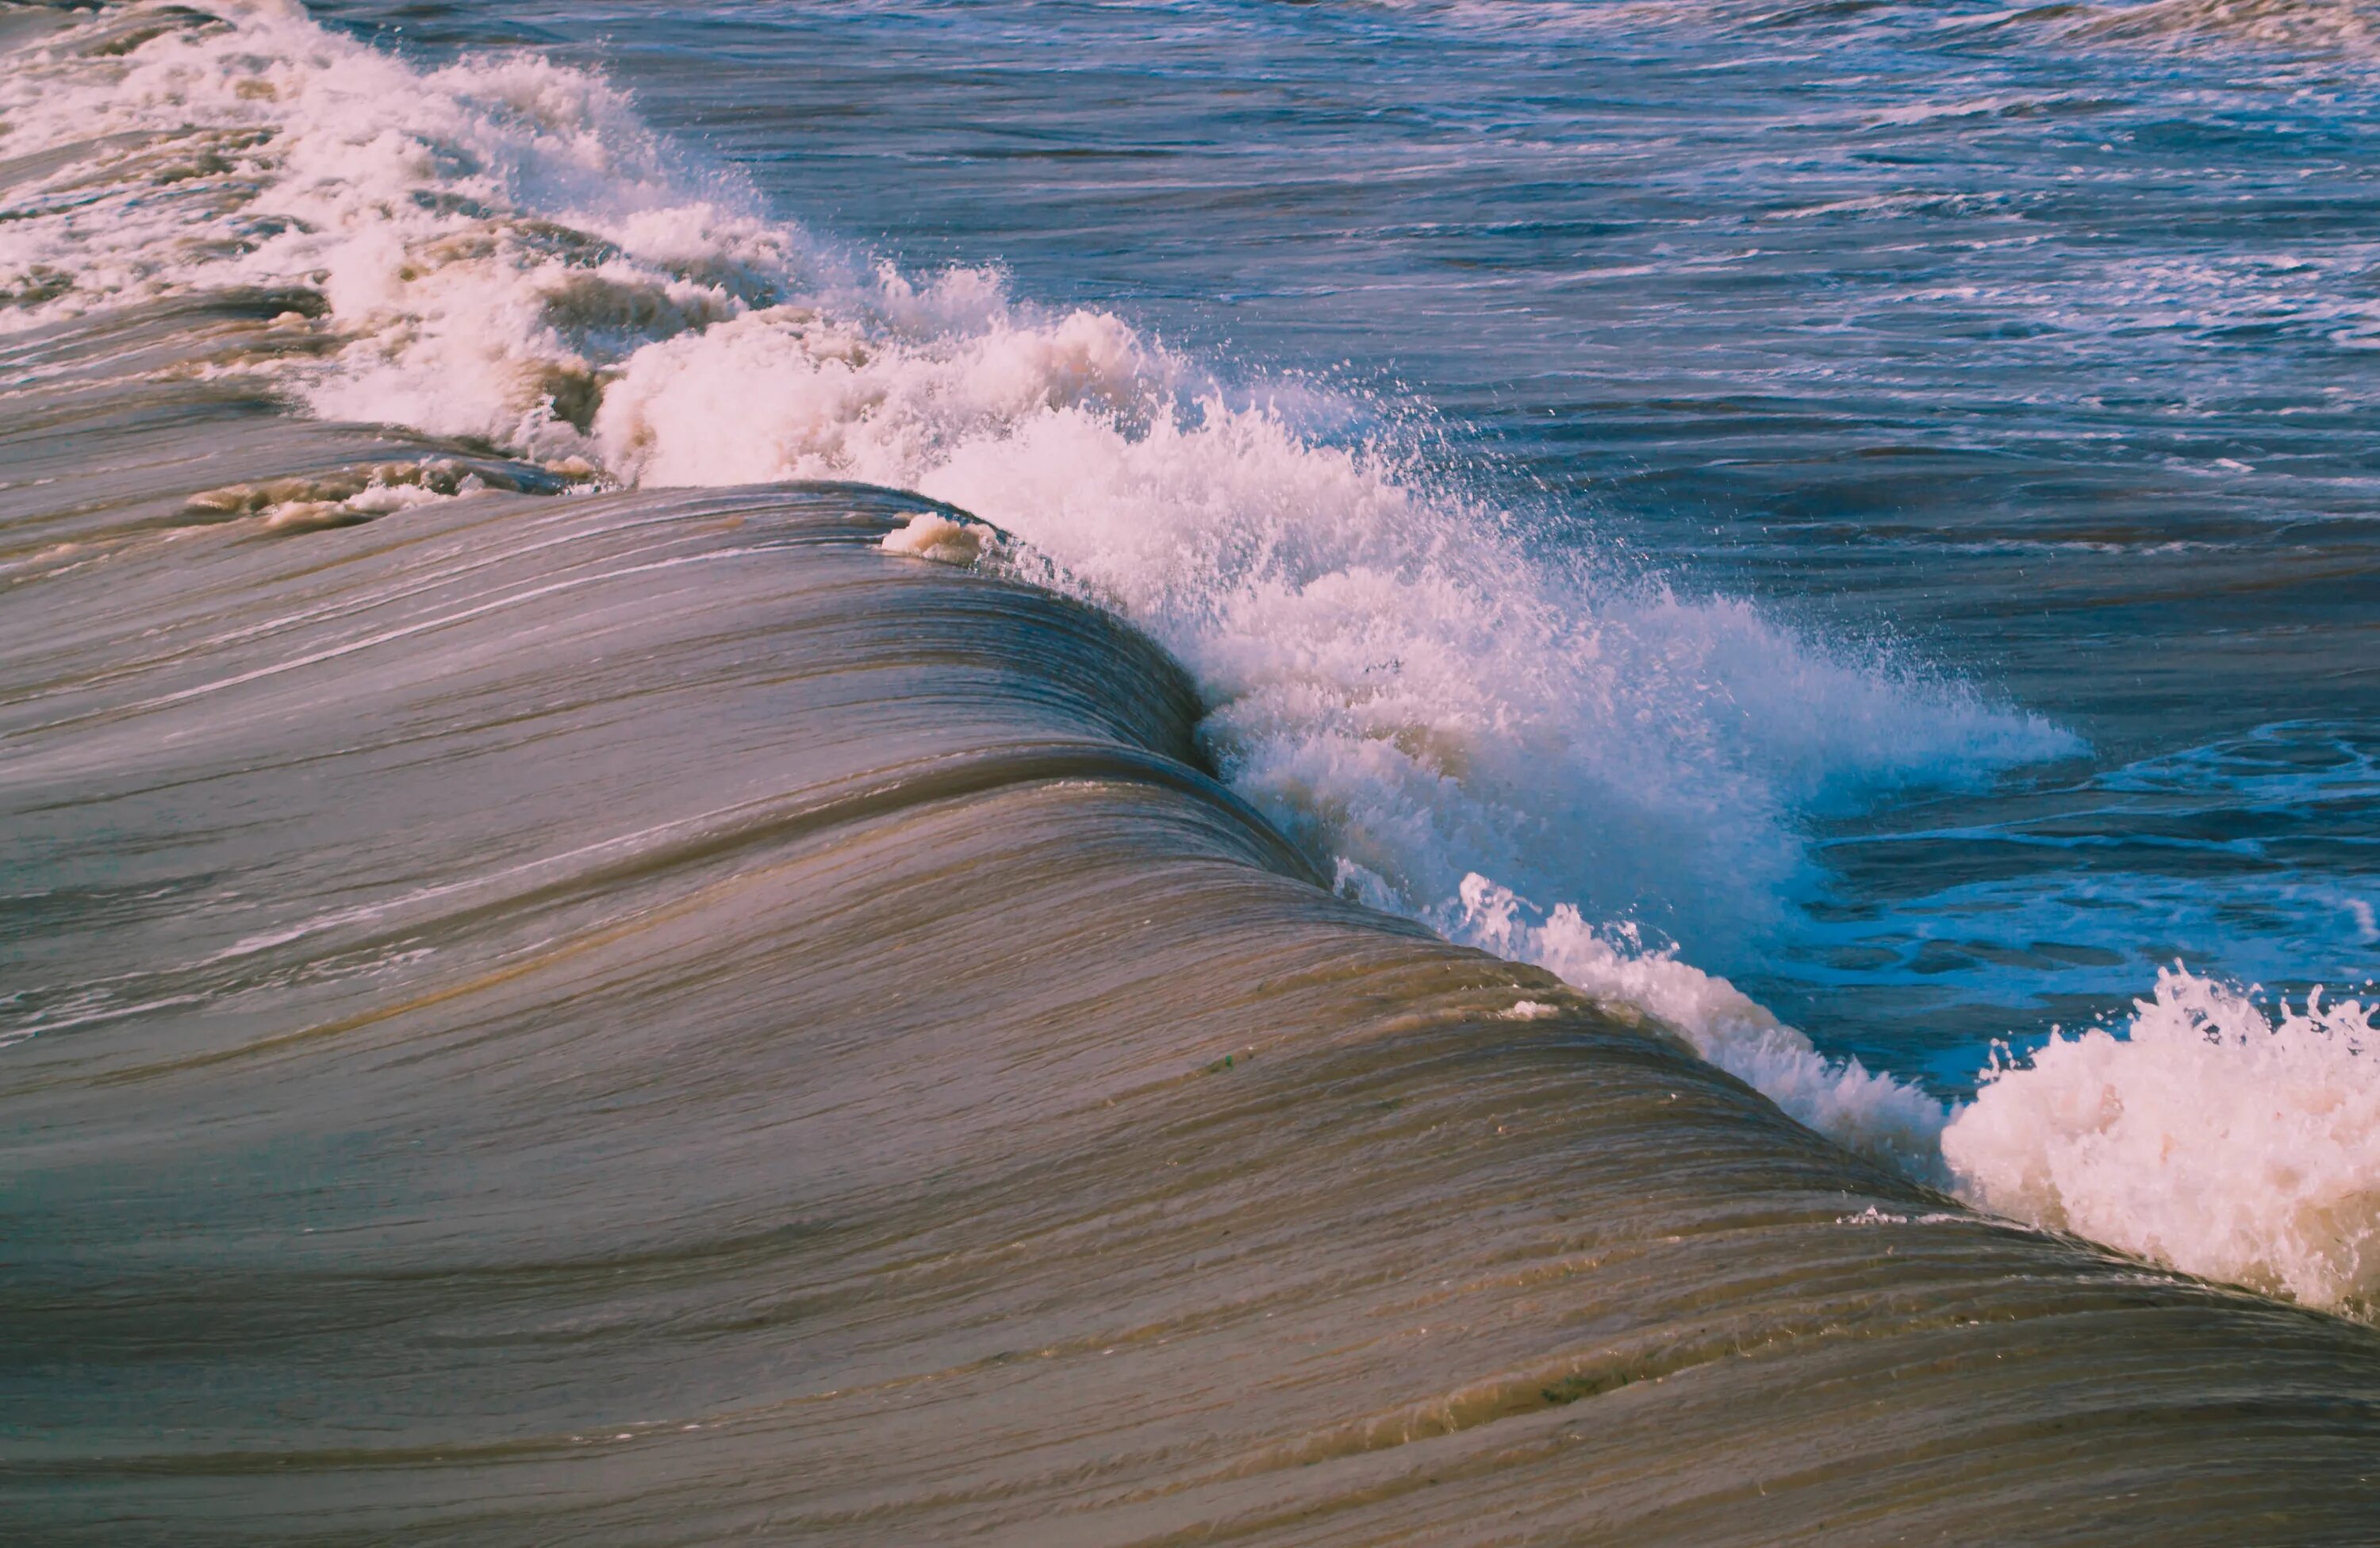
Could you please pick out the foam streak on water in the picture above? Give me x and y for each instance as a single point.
(1448, 717)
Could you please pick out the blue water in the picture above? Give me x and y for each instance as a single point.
(2039, 349)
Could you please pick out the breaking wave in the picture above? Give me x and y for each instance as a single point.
(1449, 719)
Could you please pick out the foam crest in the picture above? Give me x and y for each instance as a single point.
(2220, 1136)
(1393, 673)
(490, 236)
(1872, 1112)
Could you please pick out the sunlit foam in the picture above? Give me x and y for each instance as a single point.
(2231, 1138)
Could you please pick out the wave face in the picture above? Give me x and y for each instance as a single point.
(648, 1016)
(543, 1004)
(1390, 671)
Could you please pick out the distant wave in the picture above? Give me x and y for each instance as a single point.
(2321, 26)
(2332, 29)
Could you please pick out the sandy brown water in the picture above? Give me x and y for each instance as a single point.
(643, 1018)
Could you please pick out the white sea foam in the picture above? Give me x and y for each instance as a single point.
(488, 234)
(929, 536)
(1393, 671)
(1869, 1112)
(2227, 1137)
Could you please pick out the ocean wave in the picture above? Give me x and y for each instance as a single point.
(543, 1012)
(1394, 674)
(1446, 718)
(656, 1017)
(2319, 26)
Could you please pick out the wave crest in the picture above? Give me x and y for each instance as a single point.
(1393, 671)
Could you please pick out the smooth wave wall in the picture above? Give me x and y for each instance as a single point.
(665, 1016)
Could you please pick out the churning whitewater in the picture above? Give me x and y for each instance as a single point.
(1545, 752)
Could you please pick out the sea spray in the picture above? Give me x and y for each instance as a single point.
(2232, 1139)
